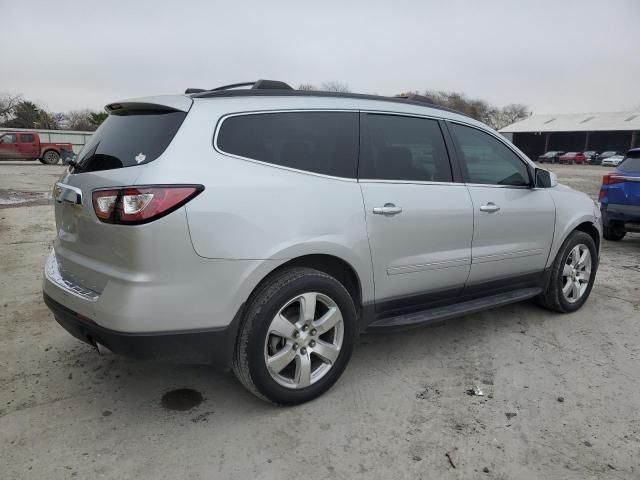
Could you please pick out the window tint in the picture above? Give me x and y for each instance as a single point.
(320, 142)
(8, 138)
(487, 160)
(128, 139)
(26, 138)
(394, 147)
(631, 164)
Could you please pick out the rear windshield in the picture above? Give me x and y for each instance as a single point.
(129, 138)
(631, 164)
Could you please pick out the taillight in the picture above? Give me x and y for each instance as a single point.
(608, 179)
(136, 205)
(104, 202)
(611, 178)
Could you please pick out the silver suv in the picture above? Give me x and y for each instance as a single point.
(263, 229)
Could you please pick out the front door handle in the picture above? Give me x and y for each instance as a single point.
(388, 209)
(489, 208)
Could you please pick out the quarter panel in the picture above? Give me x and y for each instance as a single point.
(255, 211)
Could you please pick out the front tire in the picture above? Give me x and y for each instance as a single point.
(50, 157)
(296, 337)
(572, 274)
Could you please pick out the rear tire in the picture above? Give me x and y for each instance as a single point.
(290, 368)
(614, 233)
(563, 275)
(50, 157)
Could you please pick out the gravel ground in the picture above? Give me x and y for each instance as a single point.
(560, 392)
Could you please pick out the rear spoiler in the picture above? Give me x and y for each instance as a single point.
(177, 103)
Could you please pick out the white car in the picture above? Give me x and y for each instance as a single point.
(613, 161)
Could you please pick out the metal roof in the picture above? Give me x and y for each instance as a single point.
(576, 122)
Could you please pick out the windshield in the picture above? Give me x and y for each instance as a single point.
(128, 139)
(608, 154)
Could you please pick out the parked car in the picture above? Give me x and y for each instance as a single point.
(551, 156)
(612, 161)
(620, 198)
(572, 158)
(27, 146)
(590, 155)
(603, 155)
(247, 229)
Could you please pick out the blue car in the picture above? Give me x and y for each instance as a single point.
(620, 198)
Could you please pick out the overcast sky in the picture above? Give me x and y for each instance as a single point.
(555, 56)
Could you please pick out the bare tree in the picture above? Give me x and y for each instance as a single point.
(79, 120)
(509, 114)
(335, 86)
(8, 104)
(307, 86)
(476, 108)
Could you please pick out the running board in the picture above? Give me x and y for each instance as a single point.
(455, 310)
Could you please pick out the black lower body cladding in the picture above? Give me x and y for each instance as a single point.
(206, 347)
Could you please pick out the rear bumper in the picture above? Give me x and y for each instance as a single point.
(620, 213)
(213, 346)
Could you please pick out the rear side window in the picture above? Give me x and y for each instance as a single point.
(394, 147)
(26, 138)
(129, 138)
(486, 160)
(319, 142)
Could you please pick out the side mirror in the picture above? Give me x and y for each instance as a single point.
(545, 178)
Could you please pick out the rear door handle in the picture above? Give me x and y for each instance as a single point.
(388, 209)
(489, 208)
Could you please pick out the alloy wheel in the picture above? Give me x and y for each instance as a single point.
(576, 273)
(304, 340)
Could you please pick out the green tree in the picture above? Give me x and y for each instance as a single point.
(28, 115)
(97, 118)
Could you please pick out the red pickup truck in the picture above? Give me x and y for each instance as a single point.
(27, 146)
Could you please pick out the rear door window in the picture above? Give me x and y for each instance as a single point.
(395, 147)
(129, 138)
(319, 142)
(26, 138)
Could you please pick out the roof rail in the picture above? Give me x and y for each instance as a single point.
(257, 85)
(414, 97)
(290, 92)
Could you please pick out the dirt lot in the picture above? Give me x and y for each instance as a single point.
(561, 396)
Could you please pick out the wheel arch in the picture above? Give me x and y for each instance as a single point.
(332, 265)
(590, 229)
